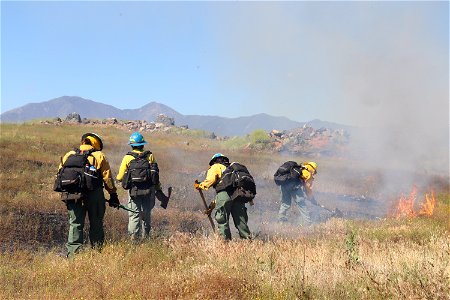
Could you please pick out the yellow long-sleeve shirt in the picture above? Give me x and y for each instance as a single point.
(100, 163)
(308, 177)
(126, 163)
(213, 176)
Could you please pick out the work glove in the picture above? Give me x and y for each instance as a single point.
(114, 200)
(197, 185)
(211, 206)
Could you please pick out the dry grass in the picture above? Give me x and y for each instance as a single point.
(197, 267)
(336, 259)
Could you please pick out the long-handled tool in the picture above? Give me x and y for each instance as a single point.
(125, 208)
(169, 193)
(163, 198)
(207, 208)
(335, 213)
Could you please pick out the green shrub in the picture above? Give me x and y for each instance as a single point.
(259, 136)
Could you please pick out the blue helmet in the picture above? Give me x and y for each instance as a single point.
(136, 139)
(215, 157)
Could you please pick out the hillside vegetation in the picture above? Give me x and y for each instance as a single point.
(370, 258)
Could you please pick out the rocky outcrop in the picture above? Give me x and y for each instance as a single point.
(164, 123)
(307, 140)
(163, 119)
(73, 118)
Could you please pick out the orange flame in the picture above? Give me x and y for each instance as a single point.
(427, 206)
(404, 207)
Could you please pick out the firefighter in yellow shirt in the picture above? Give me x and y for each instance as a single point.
(90, 200)
(300, 190)
(223, 203)
(134, 164)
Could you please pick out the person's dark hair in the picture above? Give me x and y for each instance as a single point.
(86, 142)
(222, 160)
(138, 147)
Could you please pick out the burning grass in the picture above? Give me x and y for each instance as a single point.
(386, 258)
(405, 206)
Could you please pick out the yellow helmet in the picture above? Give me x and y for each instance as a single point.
(94, 140)
(312, 165)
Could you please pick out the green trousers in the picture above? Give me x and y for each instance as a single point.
(144, 204)
(94, 206)
(297, 192)
(224, 207)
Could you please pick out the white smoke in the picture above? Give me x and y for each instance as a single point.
(380, 66)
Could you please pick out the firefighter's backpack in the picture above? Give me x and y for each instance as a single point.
(290, 171)
(141, 175)
(238, 183)
(77, 175)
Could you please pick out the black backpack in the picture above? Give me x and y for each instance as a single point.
(238, 183)
(141, 174)
(77, 175)
(290, 171)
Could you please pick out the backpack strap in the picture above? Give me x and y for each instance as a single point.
(139, 155)
(299, 173)
(146, 153)
(134, 154)
(226, 164)
(87, 153)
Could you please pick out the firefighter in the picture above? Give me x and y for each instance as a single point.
(139, 164)
(299, 189)
(222, 202)
(91, 199)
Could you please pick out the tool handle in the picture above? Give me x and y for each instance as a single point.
(206, 207)
(125, 208)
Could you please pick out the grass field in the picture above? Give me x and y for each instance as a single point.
(404, 258)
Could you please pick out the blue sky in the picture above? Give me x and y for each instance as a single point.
(345, 62)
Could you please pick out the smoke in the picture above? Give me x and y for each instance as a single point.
(398, 94)
(382, 67)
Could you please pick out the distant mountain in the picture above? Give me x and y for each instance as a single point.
(240, 125)
(316, 123)
(62, 106)
(149, 112)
